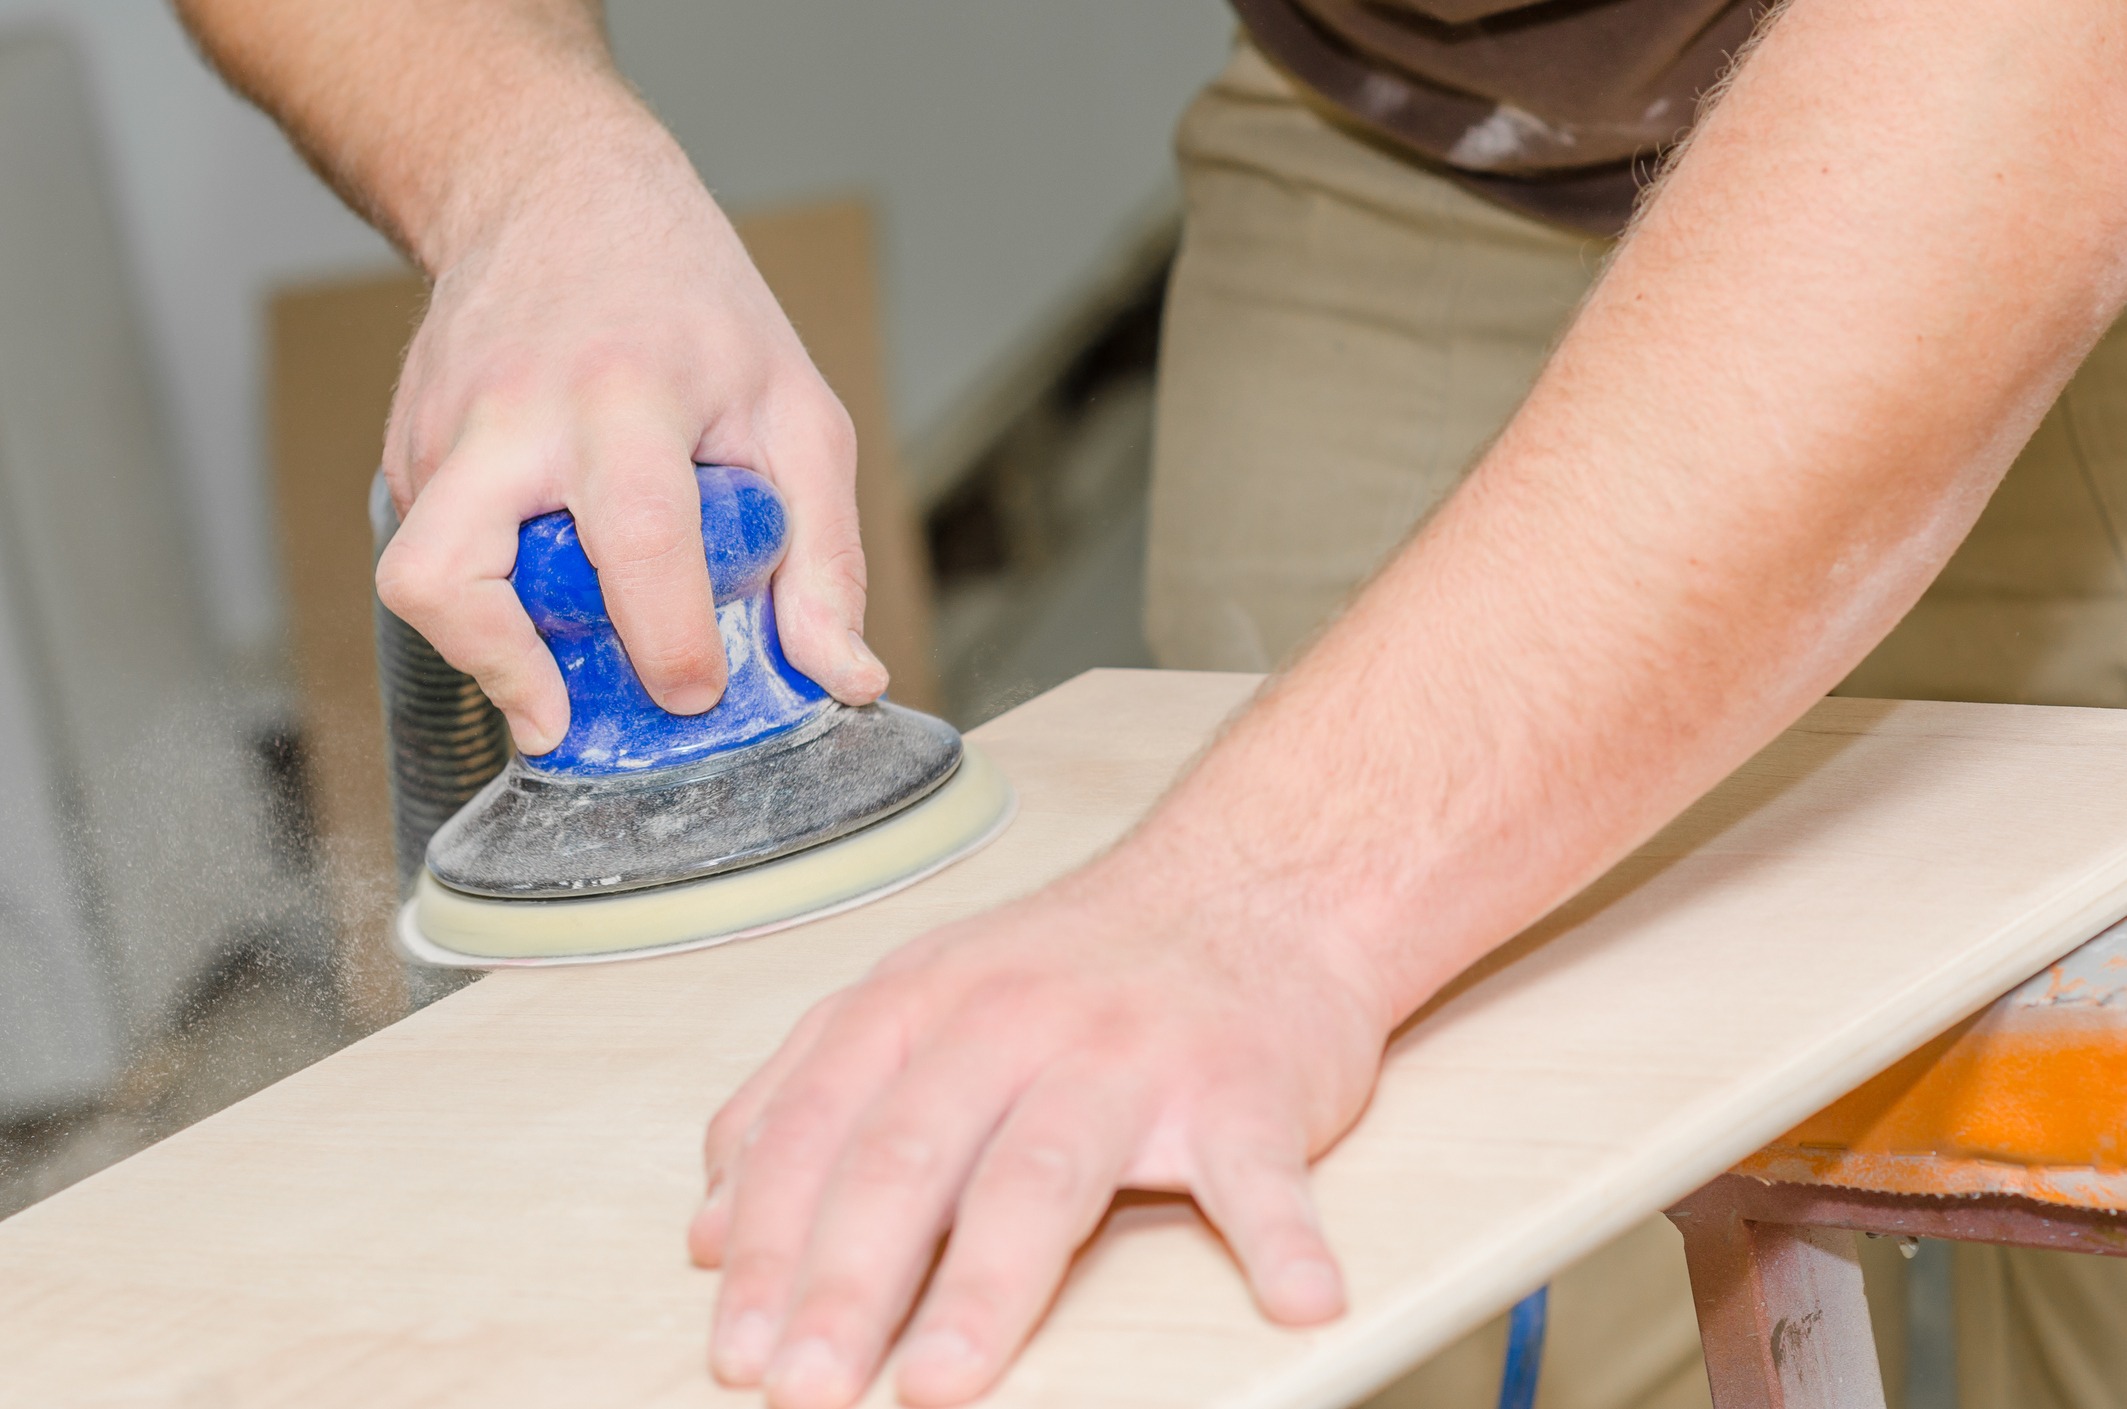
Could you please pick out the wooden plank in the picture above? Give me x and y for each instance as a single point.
(483, 1205)
(2029, 1098)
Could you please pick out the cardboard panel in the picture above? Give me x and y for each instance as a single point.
(335, 350)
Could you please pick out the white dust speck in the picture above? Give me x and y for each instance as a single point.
(1380, 95)
(1503, 136)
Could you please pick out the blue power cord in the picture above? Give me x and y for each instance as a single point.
(1525, 1350)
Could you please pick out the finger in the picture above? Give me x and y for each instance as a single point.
(779, 1174)
(1251, 1182)
(880, 1216)
(1037, 1194)
(727, 1131)
(445, 573)
(639, 514)
(820, 586)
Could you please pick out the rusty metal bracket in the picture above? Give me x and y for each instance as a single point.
(1781, 1312)
(1778, 1289)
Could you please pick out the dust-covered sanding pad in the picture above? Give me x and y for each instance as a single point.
(451, 928)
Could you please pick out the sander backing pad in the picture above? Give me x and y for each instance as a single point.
(447, 927)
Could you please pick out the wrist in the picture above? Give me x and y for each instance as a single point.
(1291, 930)
(601, 152)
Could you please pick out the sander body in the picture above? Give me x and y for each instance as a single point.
(645, 831)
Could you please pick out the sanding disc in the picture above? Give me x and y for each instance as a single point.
(453, 929)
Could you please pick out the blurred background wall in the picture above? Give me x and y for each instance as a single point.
(990, 184)
(1009, 146)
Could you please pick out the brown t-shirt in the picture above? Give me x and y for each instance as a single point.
(1558, 109)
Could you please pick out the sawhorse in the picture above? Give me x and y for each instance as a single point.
(2011, 1128)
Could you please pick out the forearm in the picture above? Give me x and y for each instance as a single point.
(1769, 427)
(436, 118)
(1775, 418)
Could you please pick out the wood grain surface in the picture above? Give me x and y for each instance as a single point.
(483, 1204)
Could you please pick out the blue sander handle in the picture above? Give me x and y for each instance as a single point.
(614, 725)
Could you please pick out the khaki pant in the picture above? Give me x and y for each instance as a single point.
(1344, 335)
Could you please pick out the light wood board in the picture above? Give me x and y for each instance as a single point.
(483, 1204)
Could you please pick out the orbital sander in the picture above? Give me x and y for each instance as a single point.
(645, 832)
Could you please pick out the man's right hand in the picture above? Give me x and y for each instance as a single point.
(596, 329)
(605, 335)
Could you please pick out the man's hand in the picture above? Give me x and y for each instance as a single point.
(1005, 1076)
(586, 358)
(595, 330)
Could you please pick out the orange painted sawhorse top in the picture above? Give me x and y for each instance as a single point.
(2027, 1098)
(2009, 1128)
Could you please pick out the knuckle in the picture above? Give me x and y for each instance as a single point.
(801, 1120)
(974, 1297)
(1042, 1169)
(838, 434)
(726, 1132)
(677, 657)
(644, 523)
(614, 374)
(413, 448)
(803, 408)
(892, 1002)
(808, 1028)
(1252, 1165)
(844, 571)
(833, 1298)
(425, 454)
(757, 1266)
(412, 582)
(1012, 1001)
(893, 1155)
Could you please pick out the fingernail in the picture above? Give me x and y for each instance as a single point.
(939, 1354)
(690, 699)
(1308, 1289)
(743, 1345)
(861, 656)
(532, 739)
(807, 1374)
